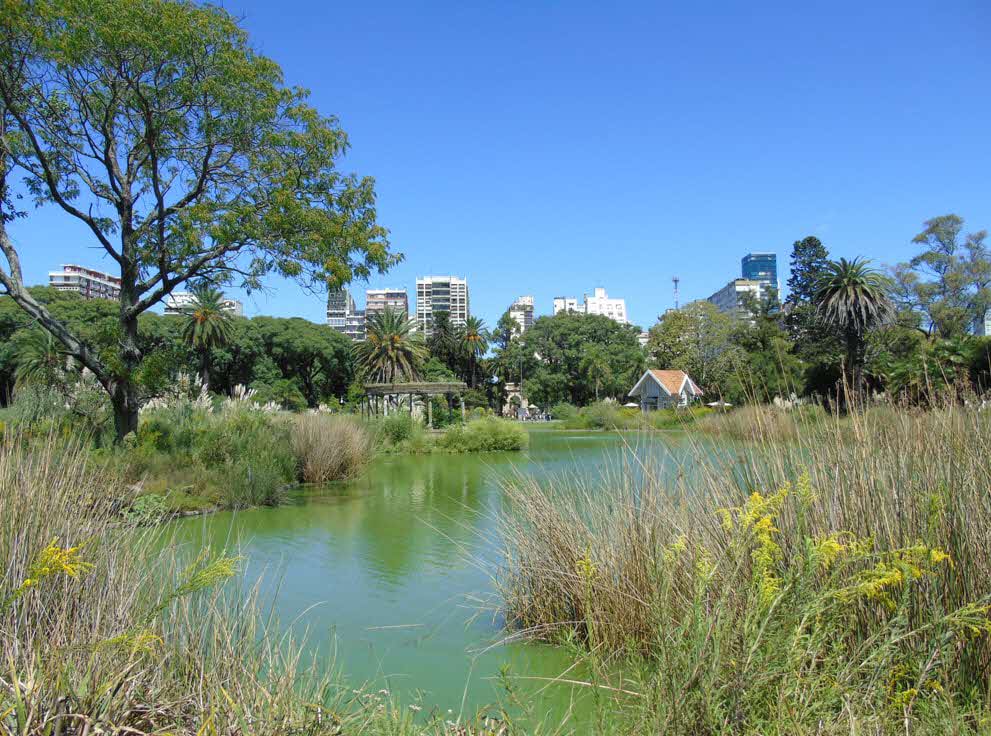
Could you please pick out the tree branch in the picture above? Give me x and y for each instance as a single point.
(13, 283)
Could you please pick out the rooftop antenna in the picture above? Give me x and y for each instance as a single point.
(676, 281)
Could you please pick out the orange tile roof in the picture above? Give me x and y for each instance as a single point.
(672, 380)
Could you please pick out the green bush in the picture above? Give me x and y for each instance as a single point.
(484, 435)
(564, 411)
(397, 428)
(235, 458)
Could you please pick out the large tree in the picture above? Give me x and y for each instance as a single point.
(157, 126)
(551, 354)
(391, 351)
(698, 339)
(948, 283)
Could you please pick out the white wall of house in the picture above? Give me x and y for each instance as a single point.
(652, 396)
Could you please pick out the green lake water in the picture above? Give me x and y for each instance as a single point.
(390, 575)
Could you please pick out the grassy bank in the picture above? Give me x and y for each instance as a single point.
(609, 415)
(188, 459)
(402, 434)
(837, 583)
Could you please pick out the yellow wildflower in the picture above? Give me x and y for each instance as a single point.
(585, 568)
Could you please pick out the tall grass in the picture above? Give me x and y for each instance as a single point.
(838, 583)
(98, 635)
(109, 628)
(329, 447)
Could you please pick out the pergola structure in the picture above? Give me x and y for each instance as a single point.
(377, 395)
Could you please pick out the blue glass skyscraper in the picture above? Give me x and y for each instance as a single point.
(761, 267)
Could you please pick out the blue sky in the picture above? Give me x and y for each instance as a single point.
(547, 148)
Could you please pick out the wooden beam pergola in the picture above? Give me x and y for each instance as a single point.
(417, 388)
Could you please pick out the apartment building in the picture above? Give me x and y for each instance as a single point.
(380, 300)
(179, 301)
(87, 282)
(521, 310)
(599, 302)
(343, 316)
(566, 304)
(729, 299)
(441, 294)
(762, 267)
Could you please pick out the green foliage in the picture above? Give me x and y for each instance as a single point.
(550, 358)
(948, 283)
(484, 435)
(150, 508)
(391, 350)
(282, 392)
(608, 415)
(473, 342)
(854, 299)
(699, 339)
(237, 458)
(207, 325)
(563, 411)
(213, 167)
(727, 608)
(397, 427)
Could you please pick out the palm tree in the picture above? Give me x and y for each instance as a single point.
(443, 342)
(208, 325)
(391, 351)
(40, 359)
(474, 340)
(595, 365)
(853, 298)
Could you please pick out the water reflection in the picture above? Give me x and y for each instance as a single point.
(379, 569)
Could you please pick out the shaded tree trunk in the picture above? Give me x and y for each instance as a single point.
(125, 402)
(123, 392)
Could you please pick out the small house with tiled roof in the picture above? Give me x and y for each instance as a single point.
(659, 389)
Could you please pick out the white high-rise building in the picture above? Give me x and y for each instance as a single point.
(982, 327)
(566, 304)
(598, 303)
(179, 301)
(729, 299)
(601, 303)
(521, 310)
(441, 294)
(343, 316)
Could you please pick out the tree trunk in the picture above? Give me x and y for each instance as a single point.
(124, 395)
(124, 399)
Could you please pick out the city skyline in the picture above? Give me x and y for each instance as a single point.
(531, 167)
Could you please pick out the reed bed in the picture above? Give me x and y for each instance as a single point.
(330, 447)
(835, 583)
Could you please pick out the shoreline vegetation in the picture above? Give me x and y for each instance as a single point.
(837, 582)
(110, 626)
(194, 453)
(840, 577)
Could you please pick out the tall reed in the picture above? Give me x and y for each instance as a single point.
(328, 447)
(837, 583)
